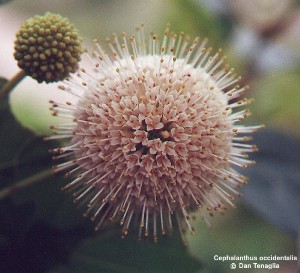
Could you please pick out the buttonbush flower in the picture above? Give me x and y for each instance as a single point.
(155, 132)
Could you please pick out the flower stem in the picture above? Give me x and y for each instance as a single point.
(39, 177)
(11, 84)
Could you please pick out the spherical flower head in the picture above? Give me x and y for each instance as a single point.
(154, 133)
(48, 48)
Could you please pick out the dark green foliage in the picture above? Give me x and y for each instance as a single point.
(110, 254)
(4, 1)
(275, 181)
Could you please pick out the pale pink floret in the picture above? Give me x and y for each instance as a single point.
(154, 133)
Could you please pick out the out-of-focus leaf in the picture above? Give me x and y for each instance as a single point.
(277, 101)
(24, 155)
(274, 189)
(4, 1)
(114, 255)
(12, 138)
(50, 203)
(2, 82)
(29, 102)
(32, 247)
(239, 232)
(195, 20)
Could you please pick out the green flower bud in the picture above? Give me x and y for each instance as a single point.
(48, 47)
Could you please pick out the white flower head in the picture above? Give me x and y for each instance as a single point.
(154, 133)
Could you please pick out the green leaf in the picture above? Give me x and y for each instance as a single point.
(274, 188)
(33, 247)
(50, 203)
(23, 156)
(2, 82)
(4, 1)
(13, 137)
(277, 99)
(240, 232)
(194, 20)
(111, 254)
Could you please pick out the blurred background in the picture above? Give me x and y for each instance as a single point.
(41, 231)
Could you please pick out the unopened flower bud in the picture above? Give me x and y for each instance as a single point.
(48, 47)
